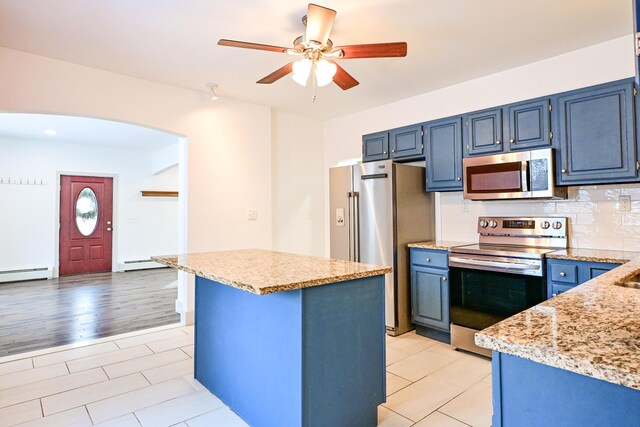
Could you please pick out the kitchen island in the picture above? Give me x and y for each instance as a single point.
(289, 340)
(573, 359)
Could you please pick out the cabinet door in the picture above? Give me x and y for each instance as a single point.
(375, 146)
(443, 154)
(406, 142)
(483, 132)
(430, 297)
(528, 125)
(596, 135)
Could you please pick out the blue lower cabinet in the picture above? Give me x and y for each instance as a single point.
(563, 275)
(529, 394)
(430, 291)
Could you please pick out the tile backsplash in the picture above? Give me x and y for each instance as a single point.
(595, 217)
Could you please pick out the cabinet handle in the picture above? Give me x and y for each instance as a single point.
(384, 152)
(498, 142)
(513, 141)
(562, 274)
(393, 151)
(428, 260)
(563, 170)
(554, 295)
(444, 278)
(458, 178)
(109, 229)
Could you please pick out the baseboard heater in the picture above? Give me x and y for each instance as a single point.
(140, 264)
(26, 274)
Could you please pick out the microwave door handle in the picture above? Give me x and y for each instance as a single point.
(524, 176)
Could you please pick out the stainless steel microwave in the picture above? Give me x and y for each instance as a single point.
(519, 175)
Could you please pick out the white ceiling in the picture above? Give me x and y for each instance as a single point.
(82, 130)
(174, 41)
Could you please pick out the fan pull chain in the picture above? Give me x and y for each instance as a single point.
(313, 82)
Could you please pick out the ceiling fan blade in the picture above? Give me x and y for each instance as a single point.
(319, 23)
(247, 45)
(277, 74)
(344, 79)
(375, 50)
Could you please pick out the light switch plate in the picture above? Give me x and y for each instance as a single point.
(625, 203)
(252, 214)
(339, 217)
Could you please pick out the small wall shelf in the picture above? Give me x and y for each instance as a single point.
(159, 193)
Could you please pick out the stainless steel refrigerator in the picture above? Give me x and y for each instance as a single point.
(376, 209)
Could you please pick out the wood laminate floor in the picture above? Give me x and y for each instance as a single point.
(48, 313)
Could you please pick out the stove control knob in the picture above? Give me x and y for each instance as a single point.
(484, 224)
(557, 225)
(545, 225)
(493, 224)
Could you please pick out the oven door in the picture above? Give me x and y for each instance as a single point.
(481, 298)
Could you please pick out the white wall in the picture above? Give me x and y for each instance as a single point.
(600, 63)
(229, 141)
(142, 226)
(298, 205)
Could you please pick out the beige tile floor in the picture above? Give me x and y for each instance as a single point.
(146, 379)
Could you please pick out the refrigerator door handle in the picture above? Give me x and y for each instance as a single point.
(356, 224)
(351, 227)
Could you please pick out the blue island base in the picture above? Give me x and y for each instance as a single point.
(527, 393)
(307, 357)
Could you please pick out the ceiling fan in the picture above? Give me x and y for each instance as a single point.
(318, 53)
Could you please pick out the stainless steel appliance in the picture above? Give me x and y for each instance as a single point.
(519, 175)
(502, 275)
(376, 209)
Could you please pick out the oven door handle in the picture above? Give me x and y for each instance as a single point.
(480, 263)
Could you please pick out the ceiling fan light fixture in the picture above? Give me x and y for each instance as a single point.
(301, 71)
(325, 71)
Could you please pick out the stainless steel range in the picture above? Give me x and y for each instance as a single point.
(502, 275)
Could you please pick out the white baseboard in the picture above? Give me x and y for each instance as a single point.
(139, 265)
(26, 274)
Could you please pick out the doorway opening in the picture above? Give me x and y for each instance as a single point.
(78, 233)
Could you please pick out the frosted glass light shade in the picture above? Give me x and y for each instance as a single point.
(301, 71)
(325, 71)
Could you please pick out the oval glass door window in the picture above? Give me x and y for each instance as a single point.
(87, 212)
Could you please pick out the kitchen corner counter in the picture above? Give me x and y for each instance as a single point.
(264, 272)
(442, 245)
(593, 329)
(594, 255)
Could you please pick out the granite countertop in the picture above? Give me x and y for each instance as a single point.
(594, 255)
(262, 272)
(593, 329)
(443, 245)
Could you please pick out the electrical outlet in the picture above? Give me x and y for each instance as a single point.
(252, 214)
(625, 203)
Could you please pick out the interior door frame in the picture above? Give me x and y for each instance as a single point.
(114, 235)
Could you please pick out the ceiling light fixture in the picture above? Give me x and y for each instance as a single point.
(212, 92)
(50, 132)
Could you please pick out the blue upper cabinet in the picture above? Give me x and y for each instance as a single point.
(595, 130)
(375, 146)
(443, 154)
(636, 28)
(528, 124)
(406, 142)
(483, 132)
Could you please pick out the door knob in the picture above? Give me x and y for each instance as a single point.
(513, 141)
(458, 178)
(498, 142)
(109, 229)
(562, 274)
(563, 171)
(108, 222)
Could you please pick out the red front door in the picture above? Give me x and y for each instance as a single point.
(86, 206)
